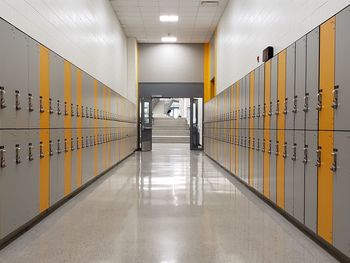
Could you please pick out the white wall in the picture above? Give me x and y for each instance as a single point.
(85, 32)
(132, 70)
(171, 62)
(247, 27)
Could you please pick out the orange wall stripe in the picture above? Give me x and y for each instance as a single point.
(44, 133)
(281, 93)
(207, 94)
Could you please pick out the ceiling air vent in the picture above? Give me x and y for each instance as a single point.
(209, 2)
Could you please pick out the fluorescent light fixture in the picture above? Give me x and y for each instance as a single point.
(169, 18)
(169, 39)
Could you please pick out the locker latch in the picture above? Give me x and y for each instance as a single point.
(254, 112)
(295, 104)
(77, 111)
(58, 146)
(2, 157)
(263, 146)
(248, 142)
(72, 144)
(253, 144)
(335, 163)
(294, 148)
(82, 112)
(30, 102)
(245, 113)
(65, 109)
(319, 100)
(258, 145)
(41, 104)
(258, 111)
(264, 110)
(78, 147)
(306, 158)
(65, 145)
(71, 109)
(335, 97)
(50, 106)
(277, 149)
(30, 152)
(306, 102)
(41, 150)
(18, 103)
(2, 98)
(59, 107)
(285, 150)
(277, 107)
(318, 161)
(270, 110)
(285, 111)
(249, 112)
(270, 148)
(50, 148)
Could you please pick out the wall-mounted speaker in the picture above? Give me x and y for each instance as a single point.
(267, 53)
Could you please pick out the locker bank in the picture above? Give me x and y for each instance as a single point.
(174, 131)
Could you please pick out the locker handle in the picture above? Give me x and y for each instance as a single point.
(335, 160)
(270, 110)
(264, 110)
(30, 152)
(41, 150)
(50, 148)
(18, 155)
(285, 150)
(82, 142)
(245, 113)
(72, 144)
(270, 148)
(41, 104)
(50, 106)
(18, 104)
(30, 102)
(254, 115)
(318, 161)
(294, 147)
(65, 109)
(58, 146)
(306, 102)
(2, 157)
(77, 110)
(319, 101)
(71, 109)
(253, 144)
(285, 111)
(58, 108)
(2, 98)
(78, 147)
(277, 107)
(65, 145)
(258, 111)
(306, 158)
(295, 104)
(277, 149)
(82, 112)
(335, 97)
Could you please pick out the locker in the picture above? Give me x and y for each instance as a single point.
(237, 114)
(255, 119)
(32, 97)
(272, 144)
(57, 166)
(73, 149)
(18, 188)
(261, 128)
(341, 176)
(289, 115)
(13, 77)
(232, 129)
(246, 130)
(57, 101)
(311, 126)
(267, 123)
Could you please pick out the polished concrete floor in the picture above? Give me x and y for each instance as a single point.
(166, 206)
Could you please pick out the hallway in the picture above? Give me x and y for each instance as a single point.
(169, 205)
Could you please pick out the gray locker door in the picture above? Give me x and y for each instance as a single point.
(311, 120)
(299, 176)
(342, 76)
(57, 166)
(341, 193)
(289, 137)
(273, 124)
(13, 77)
(31, 99)
(56, 91)
(18, 196)
(73, 149)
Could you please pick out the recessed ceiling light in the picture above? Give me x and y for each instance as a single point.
(169, 18)
(169, 39)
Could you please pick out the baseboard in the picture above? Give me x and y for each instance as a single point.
(27, 226)
(333, 251)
